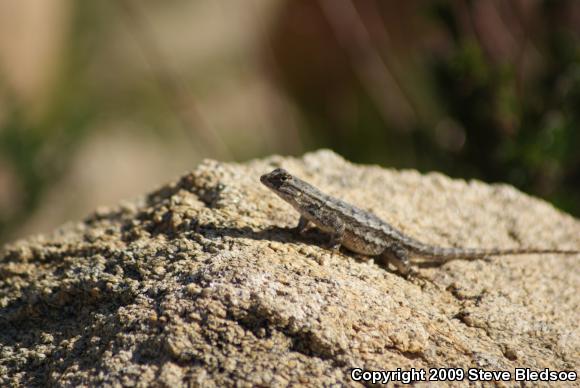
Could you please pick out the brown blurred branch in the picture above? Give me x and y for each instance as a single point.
(374, 72)
(524, 44)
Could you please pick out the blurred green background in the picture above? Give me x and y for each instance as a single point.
(101, 101)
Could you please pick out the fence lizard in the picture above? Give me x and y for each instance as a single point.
(364, 233)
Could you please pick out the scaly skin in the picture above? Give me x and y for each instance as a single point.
(362, 232)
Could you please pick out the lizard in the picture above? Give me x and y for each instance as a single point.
(364, 233)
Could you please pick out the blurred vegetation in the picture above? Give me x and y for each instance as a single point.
(484, 89)
(37, 147)
(521, 131)
(493, 87)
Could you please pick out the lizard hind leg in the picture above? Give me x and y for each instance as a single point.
(398, 257)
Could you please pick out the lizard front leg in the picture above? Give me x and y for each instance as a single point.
(303, 225)
(331, 225)
(336, 238)
(335, 227)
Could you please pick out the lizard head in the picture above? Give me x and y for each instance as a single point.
(295, 191)
(277, 180)
(283, 183)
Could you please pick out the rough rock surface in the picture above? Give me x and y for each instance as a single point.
(203, 282)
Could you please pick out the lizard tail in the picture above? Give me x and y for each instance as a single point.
(446, 254)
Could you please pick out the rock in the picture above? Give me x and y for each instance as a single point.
(203, 282)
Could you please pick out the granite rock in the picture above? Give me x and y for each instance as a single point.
(203, 282)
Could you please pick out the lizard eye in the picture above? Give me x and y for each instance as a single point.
(282, 175)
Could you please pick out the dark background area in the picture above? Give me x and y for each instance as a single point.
(102, 101)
